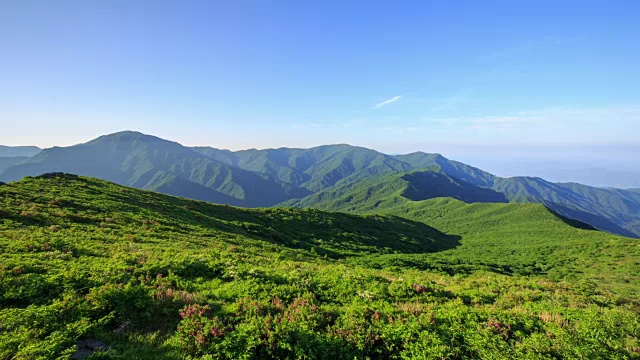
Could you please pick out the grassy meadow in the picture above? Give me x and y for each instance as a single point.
(150, 276)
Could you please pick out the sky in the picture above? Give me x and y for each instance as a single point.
(469, 79)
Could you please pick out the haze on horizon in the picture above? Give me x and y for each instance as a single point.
(533, 81)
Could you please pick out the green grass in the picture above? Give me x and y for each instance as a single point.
(160, 277)
(512, 238)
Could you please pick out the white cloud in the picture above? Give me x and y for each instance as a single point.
(387, 102)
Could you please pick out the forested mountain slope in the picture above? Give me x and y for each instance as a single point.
(148, 162)
(312, 169)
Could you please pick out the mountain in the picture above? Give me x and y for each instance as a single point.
(91, 268)
(311, 169)
(470, 174)
(256, 178)
(601, 174)
(392, 187)
(18, 151)
(147, 162)
(613, 210)
(7, 162)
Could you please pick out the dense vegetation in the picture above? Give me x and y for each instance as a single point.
(523, 238)
(145, 275)
(260, 178)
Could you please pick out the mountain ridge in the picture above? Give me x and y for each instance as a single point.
(262, 178)
(18, 151)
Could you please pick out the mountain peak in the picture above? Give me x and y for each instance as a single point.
(128, 135)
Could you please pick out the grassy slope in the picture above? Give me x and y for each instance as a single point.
(619, 210)
(614, 210)
(87, 259)
(524, 238)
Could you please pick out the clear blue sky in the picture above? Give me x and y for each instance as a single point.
(395, 76)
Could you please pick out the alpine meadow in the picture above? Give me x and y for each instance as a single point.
(247, 179)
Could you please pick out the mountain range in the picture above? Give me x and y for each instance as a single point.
(598, 174)
(17, 151)
(333, 177)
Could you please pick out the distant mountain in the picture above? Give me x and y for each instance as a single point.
(308, 177)
(311, 169)
(18, 151)
(598, 175)
(148, 162)
(7, 162)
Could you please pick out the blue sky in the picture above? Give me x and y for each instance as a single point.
(463, 78)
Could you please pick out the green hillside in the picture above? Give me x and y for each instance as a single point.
(378, 191)
(90, 267)
(614, 210)
(524, 238)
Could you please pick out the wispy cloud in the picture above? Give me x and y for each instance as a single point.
(386, 102)
(561, 122)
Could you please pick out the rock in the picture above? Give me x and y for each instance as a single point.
(88, 347)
